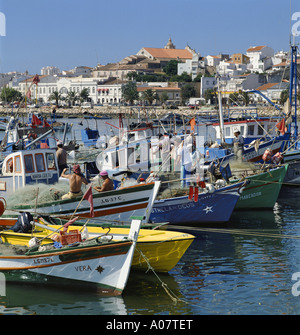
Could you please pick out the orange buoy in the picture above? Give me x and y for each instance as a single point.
(2, 205)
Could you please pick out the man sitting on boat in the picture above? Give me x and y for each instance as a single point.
(238, 144)
(75, 179)
(108, 184)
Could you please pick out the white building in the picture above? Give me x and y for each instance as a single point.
(207, 83)
(49, 70)
(229, 69)
(191, 66)
(98, 93)
(213, 60)
(260, 58)
(271, 90)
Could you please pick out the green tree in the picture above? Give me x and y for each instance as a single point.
(72, 97)
(240, 98)
(10, 95)
(171, 68)
(55, 96)
(284, 96)
(210, 94)
(187, 91)
(129, 92)
(164, 97)
(84, 94)
(150, 95)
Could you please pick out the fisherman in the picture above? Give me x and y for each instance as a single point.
(108, 184)
(61, 156)
(238, 144)
(75, 179)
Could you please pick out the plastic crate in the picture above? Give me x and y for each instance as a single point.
(70, 237)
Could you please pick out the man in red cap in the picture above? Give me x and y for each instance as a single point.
(75, 179)
(108, 184)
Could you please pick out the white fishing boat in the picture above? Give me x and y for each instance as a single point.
(98, 263)
(111, 206)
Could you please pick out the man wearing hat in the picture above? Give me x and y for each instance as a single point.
(108, 184)
(75, 180)
(61, 156)
(238, 144)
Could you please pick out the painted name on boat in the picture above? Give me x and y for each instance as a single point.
(44, 260)
(171, 208)
(111, 199)
(251, 195)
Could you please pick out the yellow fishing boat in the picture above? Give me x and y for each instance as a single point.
(160, 249)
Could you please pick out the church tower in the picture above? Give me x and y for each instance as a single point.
(170, 45)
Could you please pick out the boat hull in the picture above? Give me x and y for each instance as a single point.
(263, 190)
(208, 209)
(163, 249)
(99, 266)
(117, 205)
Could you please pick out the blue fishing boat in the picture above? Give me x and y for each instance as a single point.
(212, 206)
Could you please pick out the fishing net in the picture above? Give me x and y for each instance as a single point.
(39, 193)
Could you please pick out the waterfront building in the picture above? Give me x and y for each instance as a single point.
(172, 91)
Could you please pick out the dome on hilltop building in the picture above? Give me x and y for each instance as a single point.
(170, 45)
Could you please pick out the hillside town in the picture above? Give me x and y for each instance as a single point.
(175, 77)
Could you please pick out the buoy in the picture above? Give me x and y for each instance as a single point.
(2, 205)
(196, 194)
(267, 155)
(277, 158)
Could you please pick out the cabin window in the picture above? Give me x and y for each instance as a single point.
(260, 130)
(122, 157)
(242, 129)
(50, 161)
(28, 160)
(39, 161)
(251, 130)
(18, 164)
(227, 131)
(9, 166)
(130, 156)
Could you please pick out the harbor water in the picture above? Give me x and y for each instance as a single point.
(249, 266)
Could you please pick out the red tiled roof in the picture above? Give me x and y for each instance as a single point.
(266, 86)
(169, 53)
(253, 49)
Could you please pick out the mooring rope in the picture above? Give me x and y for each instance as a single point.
(169, 292)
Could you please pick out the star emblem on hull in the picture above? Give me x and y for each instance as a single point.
(100, 269)
(208, 209)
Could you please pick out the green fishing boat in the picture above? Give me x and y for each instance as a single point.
(263, 189)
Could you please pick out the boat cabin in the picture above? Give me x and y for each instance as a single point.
(26, 167)
(249, 129)
(132, 156)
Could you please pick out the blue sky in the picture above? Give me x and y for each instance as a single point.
(69, 33)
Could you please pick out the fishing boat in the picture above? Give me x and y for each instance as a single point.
(98, 263)
(112, 206)
(26, 167)
(161, 249)
(209, 206)
(263, 188)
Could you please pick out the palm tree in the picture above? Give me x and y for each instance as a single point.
(150, 96)
(72, 97)
(55, 96)
(129, 92)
